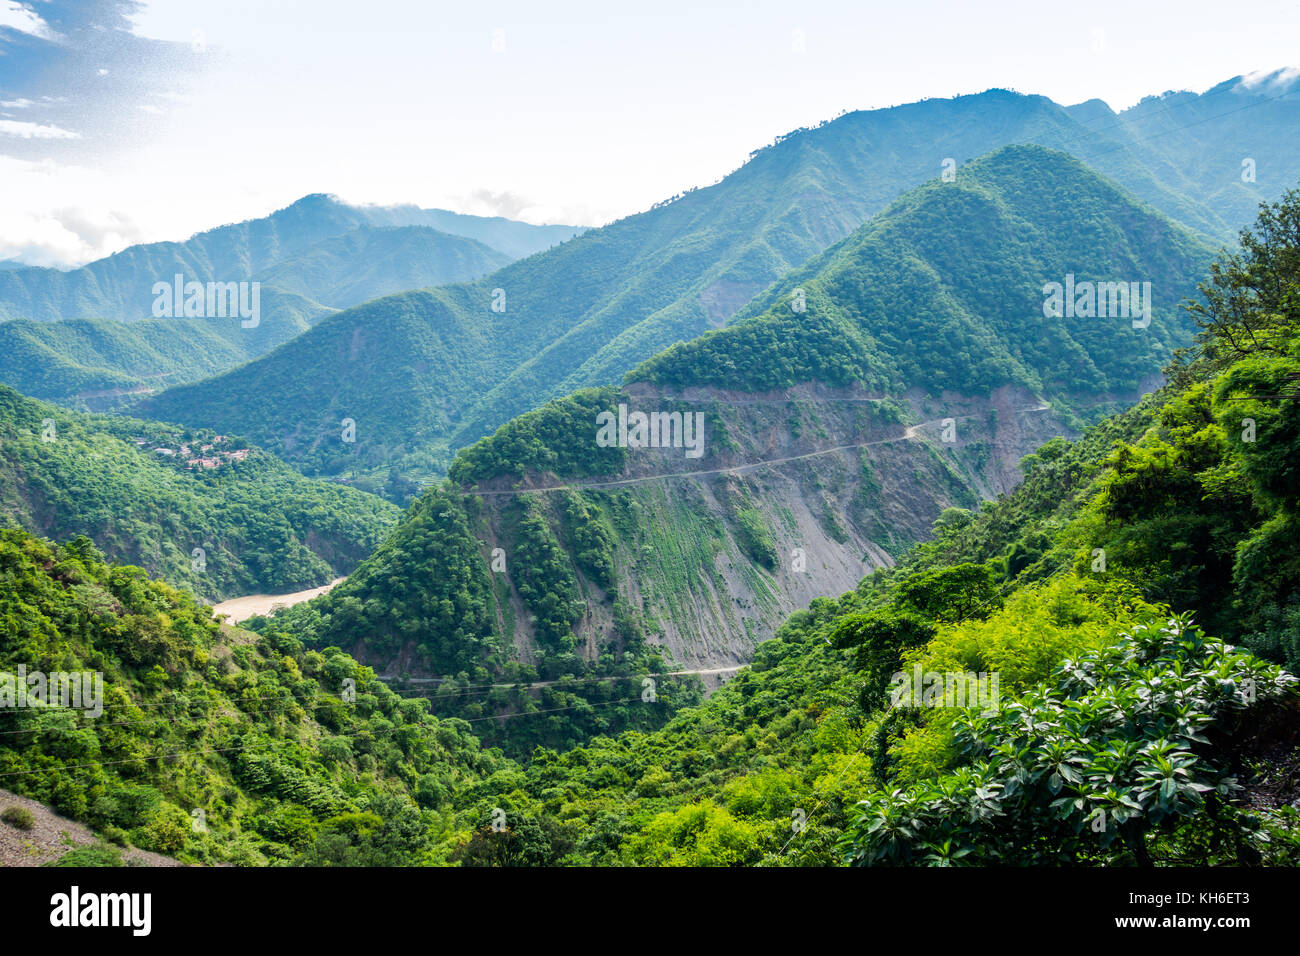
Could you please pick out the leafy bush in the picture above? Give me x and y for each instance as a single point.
(1090, 767)
(19, 817)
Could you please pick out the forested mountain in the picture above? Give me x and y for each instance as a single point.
(944, 290)
(200, 510)
(916, 370)
(1105, 594)
(88, 338)
(1225, 149)
(120, 286)
(474, 355)
(103, 364)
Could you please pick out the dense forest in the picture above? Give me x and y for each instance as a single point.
(1137, 598)
(944, 291)
(281, 754)
(204, 511)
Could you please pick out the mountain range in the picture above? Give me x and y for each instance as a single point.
(91, 336)
(912, 371)
(853, 420)
(584, 313)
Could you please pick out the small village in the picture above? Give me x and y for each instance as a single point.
(207, 456)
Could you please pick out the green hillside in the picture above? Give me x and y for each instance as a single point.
(1134, 598)
(104, 363)
(931, 313)
(944, 291)
(210, 514)
(586, 312)
(215, 746)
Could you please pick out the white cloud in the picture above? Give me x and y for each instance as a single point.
(24, 130)
(18, 16)
(507, 204)
(486, 202)
(55, 215)
(18, 104)
(1271, 78)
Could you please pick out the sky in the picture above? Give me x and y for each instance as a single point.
(125, 121)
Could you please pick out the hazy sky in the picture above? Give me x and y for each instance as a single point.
(127, 121)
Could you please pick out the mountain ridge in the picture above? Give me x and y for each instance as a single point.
(585, 313)
(836, 435)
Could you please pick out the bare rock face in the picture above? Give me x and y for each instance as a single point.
(796, 495)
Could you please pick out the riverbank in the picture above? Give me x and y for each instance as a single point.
(242, 608)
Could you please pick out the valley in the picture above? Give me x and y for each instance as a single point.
(830, 444)
(491, 543)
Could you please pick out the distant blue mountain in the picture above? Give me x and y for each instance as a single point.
(89, 338)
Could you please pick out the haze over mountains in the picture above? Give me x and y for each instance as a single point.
(586, 312)
(87, 336)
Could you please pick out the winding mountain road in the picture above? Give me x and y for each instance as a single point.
(909, 433)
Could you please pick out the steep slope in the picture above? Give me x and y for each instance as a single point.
(584, 313)
(824, 441)
(947, 290)
(201, 510)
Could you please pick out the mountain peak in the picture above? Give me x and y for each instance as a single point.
(315, 199)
